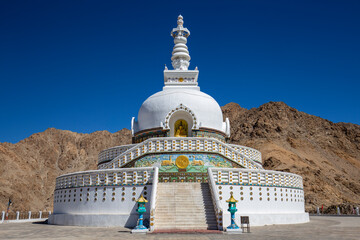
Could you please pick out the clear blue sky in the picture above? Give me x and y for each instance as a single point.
(88, 65)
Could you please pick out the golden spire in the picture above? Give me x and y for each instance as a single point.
(142, 199)
(232, 199)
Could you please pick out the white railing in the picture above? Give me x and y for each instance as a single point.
(249, 152)
(215, 198)
(123, 176)
(153, 198)
(111, 153)
(24, 216)
(177, 144)
(238, 176)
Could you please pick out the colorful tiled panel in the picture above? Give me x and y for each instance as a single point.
(196, 162)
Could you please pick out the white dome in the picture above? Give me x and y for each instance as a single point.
(156, 108)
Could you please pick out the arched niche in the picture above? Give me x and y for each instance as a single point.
(180, 112)
(176, 118)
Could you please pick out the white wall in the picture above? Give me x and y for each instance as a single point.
(267, 197)
(77, 206)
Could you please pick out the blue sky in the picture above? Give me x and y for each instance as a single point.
(88, 65)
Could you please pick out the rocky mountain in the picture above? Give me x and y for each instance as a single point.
(28, 168)
(325, 154)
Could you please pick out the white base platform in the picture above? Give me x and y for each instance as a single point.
(263, 219)
(95, 220)
(140, 231)
(113, 220)
(234, 231)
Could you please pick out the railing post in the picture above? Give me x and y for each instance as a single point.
(153, 197)
(338, 211)
(40, 214)
(29, 215)
(17, 215)
(3, 216)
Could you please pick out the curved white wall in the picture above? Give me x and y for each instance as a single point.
(101, 197)
(154, 110)
(267, 197)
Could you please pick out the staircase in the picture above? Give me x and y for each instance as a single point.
(185, 206)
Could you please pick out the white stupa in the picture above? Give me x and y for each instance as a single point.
(182, 163)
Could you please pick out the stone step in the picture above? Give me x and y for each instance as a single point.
(185, 210)
(187, 204)
(185, 196)
(190, 225)
(198, 221)
(200, 200)
(192, 209)
(162, 223)
(204, 226)
(188, 211)
(180, 192)
(184, 206)
(185, 200)
(176, 203)
(185, 215)
(186, 219)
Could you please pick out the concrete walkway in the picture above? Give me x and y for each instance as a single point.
(320, 227)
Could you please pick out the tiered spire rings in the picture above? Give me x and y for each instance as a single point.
(180, 55)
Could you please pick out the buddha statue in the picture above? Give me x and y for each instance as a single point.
(181, 132)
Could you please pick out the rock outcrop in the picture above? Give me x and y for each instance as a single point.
(28, 169)
(325, 154)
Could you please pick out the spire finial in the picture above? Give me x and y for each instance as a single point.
(180, 21)
(180, 55)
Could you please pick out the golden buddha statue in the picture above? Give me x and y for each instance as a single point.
(181, 132)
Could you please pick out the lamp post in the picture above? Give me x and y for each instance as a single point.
(141, 210)
(232, 209)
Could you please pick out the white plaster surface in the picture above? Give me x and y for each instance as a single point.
(154, 110)
(263, 219)
(96, 220)
(110, 212)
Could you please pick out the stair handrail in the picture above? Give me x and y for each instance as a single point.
(111, 151)
(255, 151)
(215, 198)
(153, 197)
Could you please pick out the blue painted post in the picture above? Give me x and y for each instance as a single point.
(232, 209)
(141, 210)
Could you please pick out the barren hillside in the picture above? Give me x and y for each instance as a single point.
(28, 168)
(325, 154)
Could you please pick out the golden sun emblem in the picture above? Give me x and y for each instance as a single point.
(182, 161)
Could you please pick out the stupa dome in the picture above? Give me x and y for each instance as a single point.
(200, 108)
